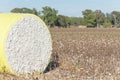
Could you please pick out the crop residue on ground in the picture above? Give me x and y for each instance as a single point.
(83, 54)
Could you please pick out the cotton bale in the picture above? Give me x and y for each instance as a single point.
(25, 43)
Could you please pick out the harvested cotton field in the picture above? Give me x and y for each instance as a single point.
(80, 54)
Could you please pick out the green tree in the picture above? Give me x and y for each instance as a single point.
(34, 11)
(76, 21)
(89, 18)
(25, 10)
(68, 21)
(49, 16)
(61, 21)
(116, 18)
(108, 20)
(100, 18)
(107, 24)
(22, 10)
(65, 21)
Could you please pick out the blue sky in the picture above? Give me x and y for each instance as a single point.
(65, 7)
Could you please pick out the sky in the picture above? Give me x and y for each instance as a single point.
(65, 7)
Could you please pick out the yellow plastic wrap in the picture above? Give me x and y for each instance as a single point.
(7, 21)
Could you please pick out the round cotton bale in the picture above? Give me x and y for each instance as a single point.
(25, 43)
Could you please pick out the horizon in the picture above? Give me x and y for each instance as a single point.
(68, 7)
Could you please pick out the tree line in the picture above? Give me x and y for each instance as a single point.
(95, 19)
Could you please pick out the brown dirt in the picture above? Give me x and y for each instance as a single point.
(82, 54)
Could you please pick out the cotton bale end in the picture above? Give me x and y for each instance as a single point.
(25, 43)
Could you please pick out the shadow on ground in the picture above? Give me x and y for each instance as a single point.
(54, 63)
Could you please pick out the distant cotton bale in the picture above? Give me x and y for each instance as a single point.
(25, 43)
(81, 26)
